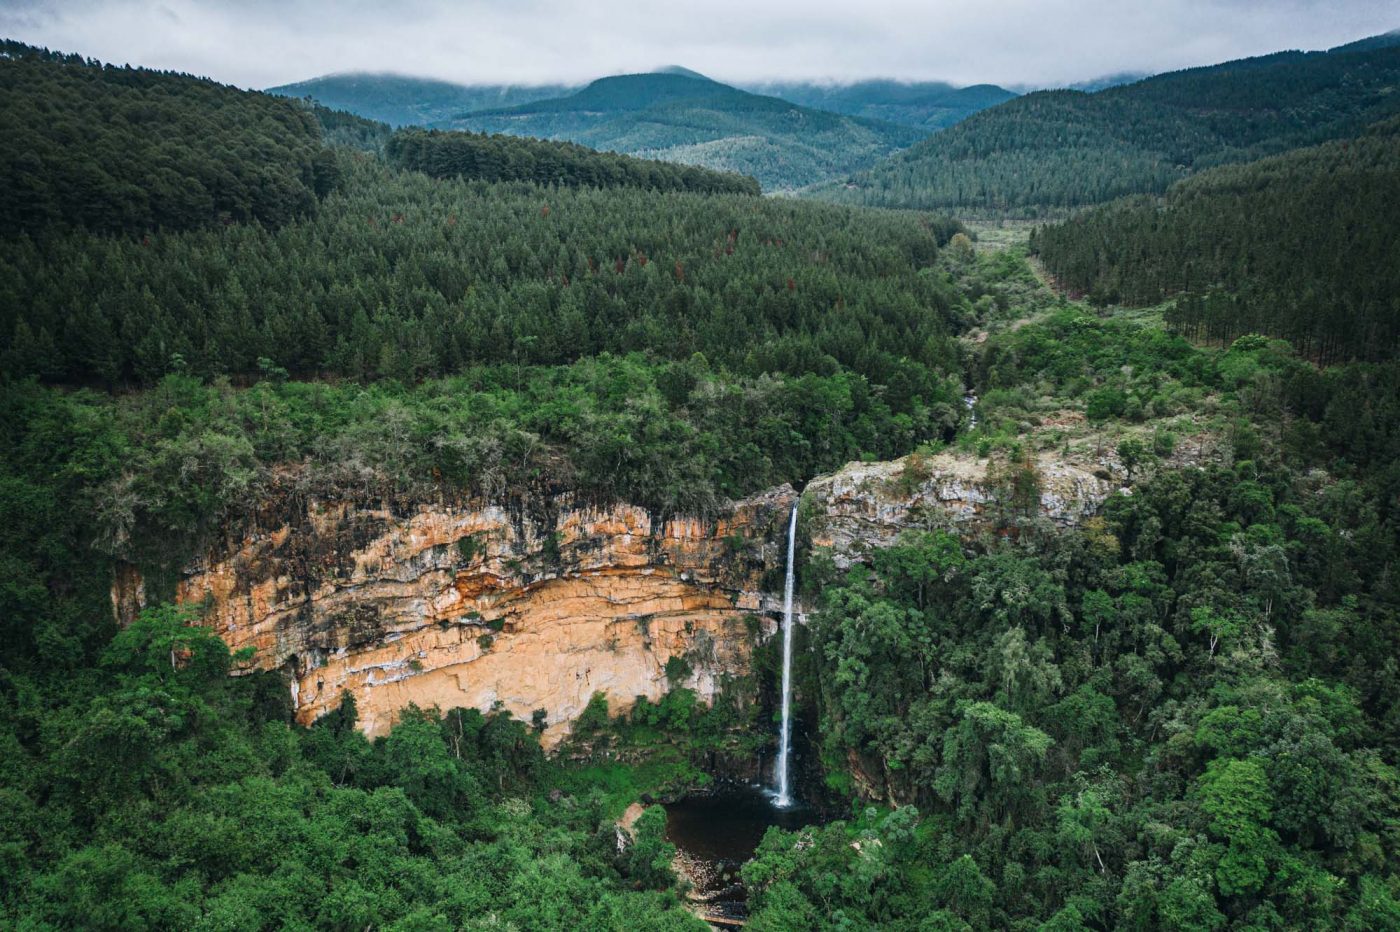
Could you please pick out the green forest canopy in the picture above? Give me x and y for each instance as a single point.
(1303, 246)
(126, 150)
(505, 158)
(1181, 714)
(1053, 150)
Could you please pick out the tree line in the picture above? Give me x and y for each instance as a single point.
(1301, 246)
(483, 157)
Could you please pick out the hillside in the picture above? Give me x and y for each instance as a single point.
(401, 100)
(677, 117)
(1063, 149)
(928, 105)
(1303, 246)
(123, 150)
(518, 158)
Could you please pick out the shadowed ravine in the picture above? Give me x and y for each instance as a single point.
(716, 833)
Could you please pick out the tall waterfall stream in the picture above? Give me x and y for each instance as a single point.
(717, 831)
(785, 733)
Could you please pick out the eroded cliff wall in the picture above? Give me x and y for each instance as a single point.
(869, 505)
(523, 606)
(539, 603)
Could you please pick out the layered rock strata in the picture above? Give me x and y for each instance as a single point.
(456, 604)
(538, 604)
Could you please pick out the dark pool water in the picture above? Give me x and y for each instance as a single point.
(716, 833)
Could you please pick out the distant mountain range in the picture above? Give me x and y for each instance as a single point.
(1064, 149)
(400, 100)
(702, 122)
(928, 105)
(788, 135)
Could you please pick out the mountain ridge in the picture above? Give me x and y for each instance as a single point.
(408, 100)
(1062, 149)
(698, 121)
(833, 128)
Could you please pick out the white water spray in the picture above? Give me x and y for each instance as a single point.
(785, 736)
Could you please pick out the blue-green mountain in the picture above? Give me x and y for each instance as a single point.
(683, 118)
(401, 100)
(1063, 149)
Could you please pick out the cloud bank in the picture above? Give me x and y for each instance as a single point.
(260, 43)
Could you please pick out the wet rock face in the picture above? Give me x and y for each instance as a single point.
(539, 603)
(521, 606)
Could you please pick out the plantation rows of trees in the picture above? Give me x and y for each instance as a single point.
(402, 276)
(1303, 246)
(512, 158)
(1054, 150)
(126, 150)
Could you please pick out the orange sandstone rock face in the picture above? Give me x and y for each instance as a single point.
(540, 603)
(456, 604)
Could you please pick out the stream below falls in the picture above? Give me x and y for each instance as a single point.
(715, 833)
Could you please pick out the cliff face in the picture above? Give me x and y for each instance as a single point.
(538, 604)
(869, 505)
(474, 604)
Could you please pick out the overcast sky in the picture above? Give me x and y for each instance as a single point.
(259, 43)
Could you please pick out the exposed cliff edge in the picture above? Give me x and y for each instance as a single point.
(868, 505)
(539, 603)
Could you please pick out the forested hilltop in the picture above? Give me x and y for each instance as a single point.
(1054, 150)
(401, 100)
(505, 158)
(928, 105)
(1180, 713)
(111, 150)
(690, 119)
(1304, 246)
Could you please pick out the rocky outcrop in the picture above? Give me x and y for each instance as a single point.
(520, 606)
(869, 505)
(538, 603)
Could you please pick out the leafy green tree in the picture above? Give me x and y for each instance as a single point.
(1235, 794)
(989, 761)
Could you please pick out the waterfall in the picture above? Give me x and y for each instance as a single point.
(785, 735)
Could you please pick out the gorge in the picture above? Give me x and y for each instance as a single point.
(541, 603)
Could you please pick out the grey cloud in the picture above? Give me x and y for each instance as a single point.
(257, 43)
